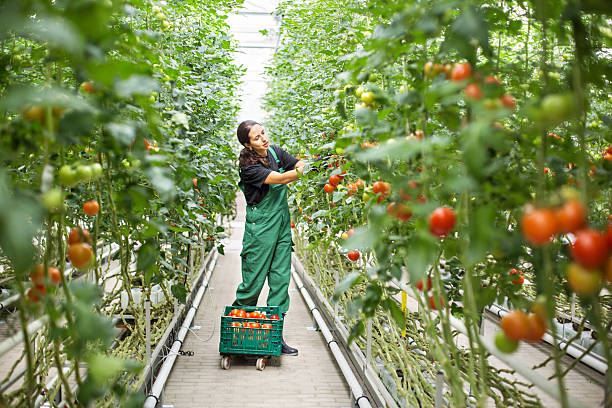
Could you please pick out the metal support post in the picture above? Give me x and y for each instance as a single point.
(368, 344)
(148, 330)
(337, 279)
(439, 384)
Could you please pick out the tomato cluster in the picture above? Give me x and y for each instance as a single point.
(241, 313)
(589, 250)
(520, 326)
(39, 281)
(80, 253)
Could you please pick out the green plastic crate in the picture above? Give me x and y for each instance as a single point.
(247, 340)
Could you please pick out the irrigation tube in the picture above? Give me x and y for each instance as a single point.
(537, 380)
(160, 382)
(361, 399)
(572, 350)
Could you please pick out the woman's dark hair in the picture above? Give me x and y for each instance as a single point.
(248, 156)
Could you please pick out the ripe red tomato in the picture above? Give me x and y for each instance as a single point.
(432, 302)
(353, 255)
(515, 325)
(539, 226)
(441, 221)
(55, 276)
(378, 187)
(419, 284)
(236, 324)
(571, 216)
(350, 232)
(399, 211)
(329, 188)
(492, 80)
(77, 234)
(583, 281)
(520, 279)
(241, 313)
(461, 71)
(91, 207)
(255, 325)
(37, 275)
(80, 254)
(609, 235)
(535, 328)
(473, 91)
(35, 293)
(274, 317)
(292, 224)
(590, 249)
(89, 87)
(508, 101)
(334, 180)
(266, 326)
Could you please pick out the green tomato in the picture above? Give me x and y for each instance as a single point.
(84, 172)
(367, 97)
(96, 170)
(557, 108)
(67, 176)
(52, 199)
(365, 197)
(504, 344)
(136, 163)
(339, 150)
(126, 163)
(360, 90)
(152, 98)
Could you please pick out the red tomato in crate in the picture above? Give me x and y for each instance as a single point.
(274, 317)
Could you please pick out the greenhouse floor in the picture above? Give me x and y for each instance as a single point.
(312, 379)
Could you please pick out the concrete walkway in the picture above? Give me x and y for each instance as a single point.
(312, 379)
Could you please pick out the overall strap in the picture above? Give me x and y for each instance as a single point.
(274, 155)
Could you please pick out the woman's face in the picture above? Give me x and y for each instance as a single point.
(259, 139)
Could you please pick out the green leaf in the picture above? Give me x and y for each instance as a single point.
(349, 281)
(399, 317)
(357, 330)
(102, 368)
(136, 85)
(363, 237)
(179, 292)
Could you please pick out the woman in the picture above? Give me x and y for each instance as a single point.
(266, 246)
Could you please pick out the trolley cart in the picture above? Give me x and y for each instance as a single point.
(249, 336)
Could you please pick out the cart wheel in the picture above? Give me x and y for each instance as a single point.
(261, 363)
(225, 362)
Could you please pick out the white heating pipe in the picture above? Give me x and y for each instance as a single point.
(164, 372)
(361, 399)
(573, 350)
(537, 380)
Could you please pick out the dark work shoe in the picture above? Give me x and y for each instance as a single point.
(288, 350)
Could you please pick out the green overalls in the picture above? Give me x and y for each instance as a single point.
(266, 249)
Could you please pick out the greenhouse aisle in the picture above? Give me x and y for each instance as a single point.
(312, 379)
